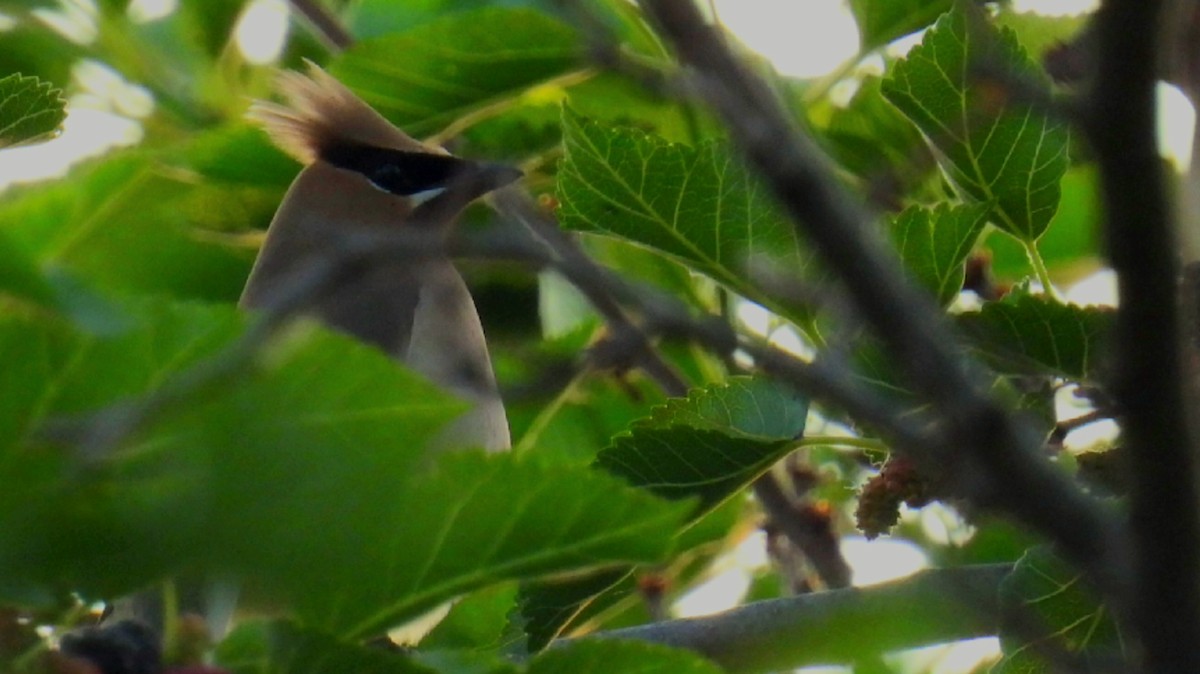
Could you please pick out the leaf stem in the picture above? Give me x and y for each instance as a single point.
(1040, 270)
(841, 441)
(822, 86)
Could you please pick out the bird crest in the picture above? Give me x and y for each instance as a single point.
(320, 115)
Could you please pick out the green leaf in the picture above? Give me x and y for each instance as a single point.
(1045, 598)
(205, 468)
(573, 424)
(476, 622)
(479, 520)
(280, 647)
(30, 110)
(934, 244)
(1033, 334)
(881, 21)
(1039, 33)
(127, 225)
(1071, 244)
(995, 149)
(35, 49)
(700, 205)
(238, 154)
(22, 280)
(440, 71)
(600, 656)
(612, 598)
(371, 18)
(877, 371)
(211, 24)
(711, 444)
(306, 475)
(20, 277)
(548, 607)
(871, 139)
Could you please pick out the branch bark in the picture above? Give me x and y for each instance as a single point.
(1165, 601)
(325, 24)
(838, 626)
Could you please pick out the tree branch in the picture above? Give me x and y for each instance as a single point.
(667, 317)
(586, 275)
(326, 25)
(985, 453)
(838, 626)
(813, 537)
(1147, 386)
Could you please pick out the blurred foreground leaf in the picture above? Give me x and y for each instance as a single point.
(434, 74)
(305, 474)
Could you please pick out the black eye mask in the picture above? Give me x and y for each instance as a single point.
(409, 173)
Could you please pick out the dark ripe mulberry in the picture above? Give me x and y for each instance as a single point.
(880, 498)
(878, 508)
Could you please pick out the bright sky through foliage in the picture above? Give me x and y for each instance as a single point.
(803, 39)
(262, 30)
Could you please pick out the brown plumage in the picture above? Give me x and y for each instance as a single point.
(419, 311)
(321, 112)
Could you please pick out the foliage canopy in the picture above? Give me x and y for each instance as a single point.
(148, 429)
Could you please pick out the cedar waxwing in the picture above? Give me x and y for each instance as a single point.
(362, 173)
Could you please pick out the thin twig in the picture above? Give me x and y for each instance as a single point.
(666, 317)
(327, 26)
(591, 280)
(817, 543)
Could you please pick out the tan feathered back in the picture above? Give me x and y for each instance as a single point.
(321, 112)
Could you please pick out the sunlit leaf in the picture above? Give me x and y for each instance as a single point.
(934, 244)
(1040, 33)
(881, 21)
(995, 149)
(1071, 243)
(476, 621)
(1027, 334)
(698, 205)
(711, 444)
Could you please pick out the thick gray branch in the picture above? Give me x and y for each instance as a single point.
(1147, 387)
(838, 626)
